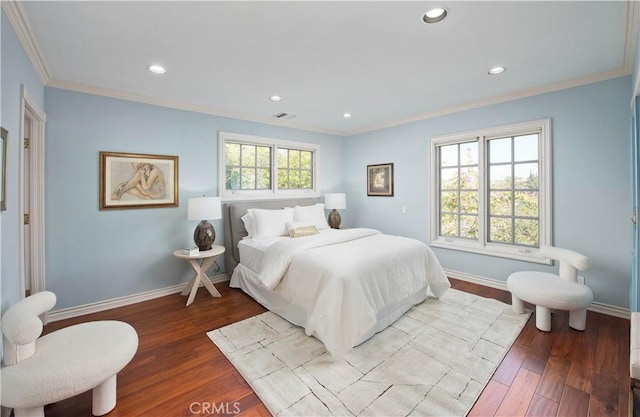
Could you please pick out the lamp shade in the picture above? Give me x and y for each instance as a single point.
(204, 208)
(335, 201)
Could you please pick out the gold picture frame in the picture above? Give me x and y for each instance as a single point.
(380, 180)
(131, 180)
(4, 136)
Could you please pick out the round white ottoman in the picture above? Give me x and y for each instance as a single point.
(68, 362)
(548, 291)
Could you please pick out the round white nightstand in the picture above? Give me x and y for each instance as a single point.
(200, 262)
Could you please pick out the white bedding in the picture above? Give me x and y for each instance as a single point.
(252, 251)
(341, 284)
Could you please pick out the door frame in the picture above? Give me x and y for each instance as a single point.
(30, 109)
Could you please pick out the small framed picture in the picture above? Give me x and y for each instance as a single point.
(129, 180)
(380, 180)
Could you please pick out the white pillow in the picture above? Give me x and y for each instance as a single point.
(270, 223)
(249, 223)
(312, 215)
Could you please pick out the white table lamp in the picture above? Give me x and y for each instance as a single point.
(204, 209)
(335, 202)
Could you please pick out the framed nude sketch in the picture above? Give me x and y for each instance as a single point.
(380, 180)
(129, 180)
(4, 135)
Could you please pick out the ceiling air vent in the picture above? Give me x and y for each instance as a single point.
(284, 116)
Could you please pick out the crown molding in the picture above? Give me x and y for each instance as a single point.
(123, 95)
(18, 19)
(549, 88)
(632, 24)
(632, 32)
(632, 21)
(141, 98)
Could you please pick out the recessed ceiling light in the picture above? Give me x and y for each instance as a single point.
(275, 98)
(434, 15)
(497, 70)
(157, 69)
(347, 115)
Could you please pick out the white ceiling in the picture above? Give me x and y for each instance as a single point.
(376, 60)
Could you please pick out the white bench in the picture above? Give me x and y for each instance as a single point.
(62, 364)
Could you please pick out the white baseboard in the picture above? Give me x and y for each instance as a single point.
(607, 309)
(67, 313)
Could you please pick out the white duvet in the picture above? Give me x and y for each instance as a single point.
(344, 279)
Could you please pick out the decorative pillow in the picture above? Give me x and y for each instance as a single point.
(302, 231)
(311, 215)
(270, 223)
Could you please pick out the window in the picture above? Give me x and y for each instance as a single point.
(248, 167)
(295, 169)
(491, 191)
(257, 167)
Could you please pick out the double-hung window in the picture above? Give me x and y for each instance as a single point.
(253, 167)
(491, 190)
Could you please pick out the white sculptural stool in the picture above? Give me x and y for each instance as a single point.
(553, 292)
(62, 364)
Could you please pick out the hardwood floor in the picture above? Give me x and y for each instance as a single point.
(561, 373)
(178, 371)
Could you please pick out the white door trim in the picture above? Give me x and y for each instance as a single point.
(30, 109)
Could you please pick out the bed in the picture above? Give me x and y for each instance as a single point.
(341, 286)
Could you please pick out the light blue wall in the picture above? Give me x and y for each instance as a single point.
(94, 255)
(591, 180)
(16, 71)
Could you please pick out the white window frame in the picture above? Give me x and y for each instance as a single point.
(274, 192)
(482, 245)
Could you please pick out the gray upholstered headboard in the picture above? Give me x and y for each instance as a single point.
(234, 229)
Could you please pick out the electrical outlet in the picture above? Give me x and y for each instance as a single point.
(581, 280)
(404, 209)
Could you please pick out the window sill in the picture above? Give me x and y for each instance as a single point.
(500, 251)
(270, 196)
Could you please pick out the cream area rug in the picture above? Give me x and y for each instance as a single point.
(434, 361)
